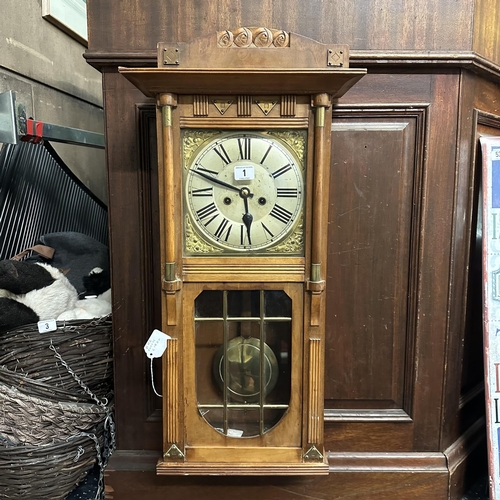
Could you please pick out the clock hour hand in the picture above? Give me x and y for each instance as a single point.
(216, 181)
(247, 217)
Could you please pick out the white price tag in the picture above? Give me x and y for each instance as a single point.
(234, 433)
(48, 325)
(244, 173)
(156, 344)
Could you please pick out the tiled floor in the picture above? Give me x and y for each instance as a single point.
(87, 489)
(479, 491)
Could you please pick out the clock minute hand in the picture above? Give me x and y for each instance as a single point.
(216, 181)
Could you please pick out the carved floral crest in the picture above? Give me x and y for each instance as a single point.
(253, 37)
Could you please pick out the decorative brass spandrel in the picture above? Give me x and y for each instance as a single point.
(313, 455)
(170, 55)
(193, 140)
(335, 58)
(294, 244)
(173, 453)
(194, 244)
(297, 139)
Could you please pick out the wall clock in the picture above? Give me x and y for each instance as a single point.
(244, 121)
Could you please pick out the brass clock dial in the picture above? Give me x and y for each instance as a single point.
(244, 191)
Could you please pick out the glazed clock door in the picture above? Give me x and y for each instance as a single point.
(245, 370)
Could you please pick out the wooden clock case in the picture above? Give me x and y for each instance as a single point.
(243, 80)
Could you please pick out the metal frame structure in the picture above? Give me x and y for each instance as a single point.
(15, 127)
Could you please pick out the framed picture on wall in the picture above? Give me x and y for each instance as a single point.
(68, 15)
(490, 147)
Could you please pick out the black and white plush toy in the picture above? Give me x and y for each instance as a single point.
(96, 301)
(32, 292)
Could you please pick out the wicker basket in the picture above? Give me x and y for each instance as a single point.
(33, 421)
(55, 411)
(86, 347)
(48, 472)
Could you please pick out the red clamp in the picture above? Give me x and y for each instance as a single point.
(34, 131)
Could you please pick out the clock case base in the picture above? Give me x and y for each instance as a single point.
(242, 469)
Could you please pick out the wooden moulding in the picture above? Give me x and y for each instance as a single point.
(220, 51)
(151, 81)
(301, 66)
(242, 469)
(272, 268)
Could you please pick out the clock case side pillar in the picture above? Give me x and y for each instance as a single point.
(173, 439)
(315, 296)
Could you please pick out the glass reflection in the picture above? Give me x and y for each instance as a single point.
(209, 304)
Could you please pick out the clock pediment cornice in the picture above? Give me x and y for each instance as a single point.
(248, 61)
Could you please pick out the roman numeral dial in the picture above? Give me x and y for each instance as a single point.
(243, 191)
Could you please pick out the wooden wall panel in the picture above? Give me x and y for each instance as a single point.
(131, 176)
(463, 380)
(374, 179)
(375, 484)
(419, 25)
(438, 94)
(434, 260)
(464, 389)
(486, 41)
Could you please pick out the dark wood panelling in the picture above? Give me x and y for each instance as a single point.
(374, 181)
(464, 391)
(465, 288)
(403, 350)
(485, 95)
(434, 223)
(368, 436)
(130, 179)
(420, 25)
(390, 484)
(486, 41)
(434, 260)
(148, 188)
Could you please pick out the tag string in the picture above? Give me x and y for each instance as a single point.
(153, 379)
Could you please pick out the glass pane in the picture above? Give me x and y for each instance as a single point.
(208, 304)
(243, 422)
(243, 366)
(245, 329)
(214, 416)
(278, 338)
(209, 336)
(277, 304)
(243, 304)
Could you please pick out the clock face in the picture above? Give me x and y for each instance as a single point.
(244, 191)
